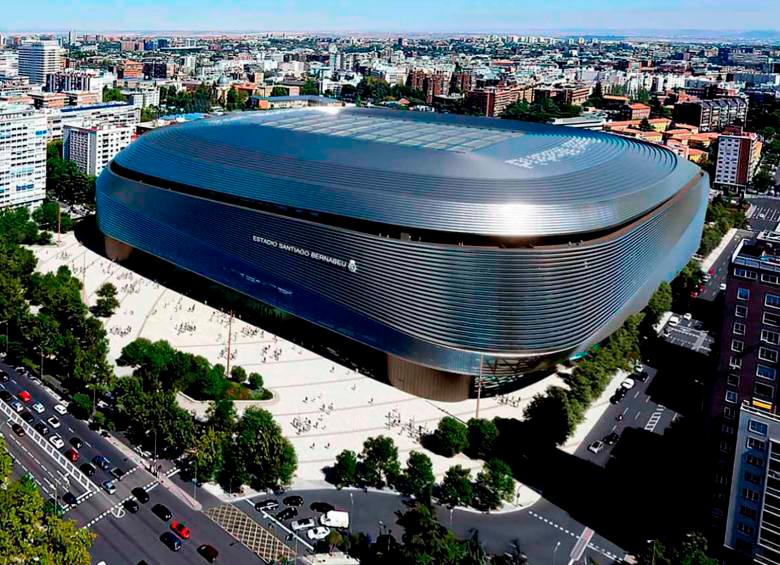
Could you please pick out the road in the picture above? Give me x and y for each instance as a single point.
(764, 213)
(719, 269)
(122, 537)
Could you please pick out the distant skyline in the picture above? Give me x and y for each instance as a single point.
(399, 16)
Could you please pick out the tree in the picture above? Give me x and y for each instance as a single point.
(279, 91)
(645, 125)
(660, 302)
(494, 484)
(107, 302)
(482, 437)
(691, 549)
(310, 87)
(238, 374)
(345, 470)
(552, 417)
(222, 415)
(456, 488)
(112, 95)
(417, 479)
(207, 455)
(46, 217)
(763, 181)
(333, 539)
(451, 436)
(256, 381)
(269, 457)
(80, 406)
(425, 540)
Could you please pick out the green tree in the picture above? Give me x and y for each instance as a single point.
(379, 462)
(450, 437)
(427, 541)
(552, 417)
(660, 302)
(691, 549)
(643, 96)
(494, 484)
(482, 437)
(763, 181)
(417, 478)
(222, 415)
(645, 125)
(456, 488)
(107, 302)
(238, 374)
(345, 470)
(310, 87)
(112, 95)
(269, 457)
(45, 216)
(80, 406)
(279, 91)
(207, 455)
(256, 381)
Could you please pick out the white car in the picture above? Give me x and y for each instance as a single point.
(56, 441)
(17, 406)
(302, 524)
(60, 409)
(596, 446)
(38, 407)
(723, 286)
(674, 320)
(54, 422)
(628, 384)
(638, 367)
(318, 533)
(687, 316)
(109, 487)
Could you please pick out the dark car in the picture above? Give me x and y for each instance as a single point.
(5, 396)
(322, 507)
(69, 499)
(18, 430)
(611, 439)
(117, 473)
(41, 428)
(76, 442)
(88, 469)
(131, 505)
(293, 501)
(102, 462)
(27, 417)
(162, 512)
(268, 504)
(140, 494)
(641, 376)
(170, 540)
(208, 552)
(287, 514)
(4, 378)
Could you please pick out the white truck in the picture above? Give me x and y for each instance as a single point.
(335, 519)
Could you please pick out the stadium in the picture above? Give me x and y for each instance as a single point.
(458, 246)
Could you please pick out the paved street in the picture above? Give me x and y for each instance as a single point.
(764, 213)
(719, 269)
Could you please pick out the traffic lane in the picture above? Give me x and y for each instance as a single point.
(41, 466)
(719, 269)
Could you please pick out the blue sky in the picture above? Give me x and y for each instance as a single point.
(513, 16)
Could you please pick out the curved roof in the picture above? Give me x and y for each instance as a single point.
(421, 170)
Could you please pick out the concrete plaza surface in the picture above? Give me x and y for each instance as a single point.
(322, 407)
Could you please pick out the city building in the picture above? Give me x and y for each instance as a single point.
(70, 79)
(22, 156)
(712, 115)
(142, 97)
(131, 70)
(110, 113)
(39, 59)
(380, 225)
(738, 158)
(93, 148)
(744, 421)
(636, 111)
(493, 100)
(158, 68)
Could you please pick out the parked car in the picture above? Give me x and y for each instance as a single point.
(674, 320)
(41, 428)
(69, 499)
(627, 384)
(17, 406)
(4, 378)
(76, 442)
(181, 529)
(162, 512)
(56, 441)
(131, 505)
(321, 507)
(170, 540)
(72, 454)
(102, 462)
(5, 396)
(687, 316)
(293, 501)
(24, 396)
(335, 519)
(53, 422)
(60, 409)
(88, 469)
(596, 446)
(723, 286)
(266, 505)
(117, 473)
(318, 533)
(302, 524)
(287, 514)
(38, 407)
(140, 494)
(208, 552)
(27, 417)
(18, 430)
(612, 438)
(109, 487)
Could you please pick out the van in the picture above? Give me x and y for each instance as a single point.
(335, 519)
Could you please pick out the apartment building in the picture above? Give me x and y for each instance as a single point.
(70, 79)
(93, 148)
(22, 156)
(38, 59)
(738, 158)
(109, 113)
(712, 115)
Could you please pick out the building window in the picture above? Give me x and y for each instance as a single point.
(728, 412)
(739, 328)
(768, 373)
(735, 362)
(731, 396)
(737, 345)
(745, 274)
(772, 300)
(766, 354)
(743, 294)
(770, 319)
(752, 478)
(753, 443)
(753, 460)
(741, 312)
(744, 528)
(732, 380)
(757, 427)
(747, 512)
(770, 337)
(771, 279)
(764, 391)
(727, 430)
(750, 494)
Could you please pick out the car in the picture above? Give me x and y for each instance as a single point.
(117, 473)
(24, 396)
(208, 552)
(294, 500)
(27, 417)
(181, 529)
(53, 422)
(638, 367)
(140, 495)
(723, 286)
(38, 407)
(640, 376)
(69, 499)
(76, 442)
(335, 519)
(612, 438)
(4, 378)
(102, 461)
(302, 524)
(17, 406)
(321, 507)
(60, 409)
(318, 533)
(695, 294)
(56, 441)
(21, 370)
(162, 512)
(627, 384)
(41, 428)
(72, 454)
(615, 399)
(287, 514)
(88, 469)
(596, 446)
(5, 396)
(170, 540)
(109, 487)
(131, 505)
(266, 505)
(687, 316)
(18, 430)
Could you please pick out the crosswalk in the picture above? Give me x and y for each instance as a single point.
(655, 417)
(767, 213)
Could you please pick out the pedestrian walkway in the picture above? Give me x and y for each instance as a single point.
(710, 259)
(247, 531)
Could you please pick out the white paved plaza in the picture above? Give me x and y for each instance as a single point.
(322, 407)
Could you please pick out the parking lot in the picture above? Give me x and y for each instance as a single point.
(688, 333)
(764, 213)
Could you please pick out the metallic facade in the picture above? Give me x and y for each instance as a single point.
(409, 232)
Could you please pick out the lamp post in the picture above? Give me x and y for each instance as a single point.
(351, 511)
(555, 550)
(452, 511)
(6, 322)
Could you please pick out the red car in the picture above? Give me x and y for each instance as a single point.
(72, 454)
(24, 396)
(181, 529)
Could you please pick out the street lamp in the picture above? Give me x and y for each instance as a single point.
(6, 336)
(555, 550)
(452, 510)
(351, 510)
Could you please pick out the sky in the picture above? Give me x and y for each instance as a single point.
(398, 16)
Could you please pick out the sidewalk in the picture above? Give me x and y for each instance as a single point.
(710, 259)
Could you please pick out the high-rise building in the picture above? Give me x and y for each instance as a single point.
(70, 79)
(112, 113)
(712, 115)
(38, 59)
(22, 156)
(71, 37)
(131, 69)
(738, 157)
(333, 56)
(9, 64)
(93, 148)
